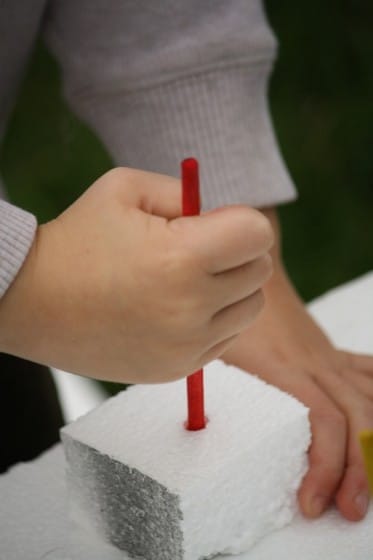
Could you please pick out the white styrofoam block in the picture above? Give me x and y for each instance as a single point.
(160, 492)
(33, 511)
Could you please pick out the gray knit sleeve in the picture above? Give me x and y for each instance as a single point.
(17, 231)
(162, 81)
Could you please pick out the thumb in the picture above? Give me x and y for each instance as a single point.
(152, 193)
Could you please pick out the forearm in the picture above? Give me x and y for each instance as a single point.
(207, 100)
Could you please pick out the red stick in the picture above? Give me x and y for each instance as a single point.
(191, 207)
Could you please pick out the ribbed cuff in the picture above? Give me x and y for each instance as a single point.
(219, 116)
(17, 232)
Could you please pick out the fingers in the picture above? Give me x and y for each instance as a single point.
(327, 452)
(225, 239)
(329, 446)
(352, 496)
(361, 362)
(235, 318)
(235, 285)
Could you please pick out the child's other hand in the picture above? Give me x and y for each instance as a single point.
(121, 287)
(287, 349)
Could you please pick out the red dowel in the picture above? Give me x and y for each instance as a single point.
(191, 207)
(196, 408)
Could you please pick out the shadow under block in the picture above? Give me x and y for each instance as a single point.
(151, 488)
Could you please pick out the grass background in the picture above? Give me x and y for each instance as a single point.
(321, 99)
(322, 106)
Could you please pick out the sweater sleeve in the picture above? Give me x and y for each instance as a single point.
(17, 232)
(162, 81)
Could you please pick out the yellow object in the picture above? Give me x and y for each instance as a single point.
(366, 442)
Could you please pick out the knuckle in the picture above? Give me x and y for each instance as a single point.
(327, 471)
(118, 174)
(118, 181)
(331, 474)
(332, 418)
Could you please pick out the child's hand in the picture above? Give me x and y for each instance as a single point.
(120, 287)
(286, 348)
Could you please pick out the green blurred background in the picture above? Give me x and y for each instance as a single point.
(322, 105)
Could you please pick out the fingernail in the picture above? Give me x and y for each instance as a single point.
(362, 503)
(317, 506)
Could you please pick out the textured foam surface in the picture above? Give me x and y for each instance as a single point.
(160, 492)
(33, 512)
(34, 525)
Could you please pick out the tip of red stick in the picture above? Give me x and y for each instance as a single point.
(190, 163)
